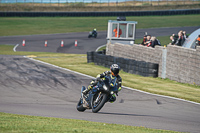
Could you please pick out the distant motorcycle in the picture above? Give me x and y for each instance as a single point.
(98, 96)
(92, 34)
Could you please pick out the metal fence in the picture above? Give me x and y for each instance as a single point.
(96, 3)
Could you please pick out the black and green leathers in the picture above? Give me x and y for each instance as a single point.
(101, 76)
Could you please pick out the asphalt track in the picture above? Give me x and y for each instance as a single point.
(30, 87)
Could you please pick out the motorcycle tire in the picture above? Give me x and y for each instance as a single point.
(101, 103)
(80, 107)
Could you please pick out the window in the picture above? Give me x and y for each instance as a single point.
(130, 30)
(114, 30)
(122, 28)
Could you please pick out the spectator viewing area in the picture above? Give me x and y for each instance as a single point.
(121, 31)
(176, 62)
(190, 42)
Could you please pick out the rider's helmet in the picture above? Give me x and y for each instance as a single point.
(95, 29)
(114, 68)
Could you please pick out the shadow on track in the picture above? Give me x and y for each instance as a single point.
(123, 114)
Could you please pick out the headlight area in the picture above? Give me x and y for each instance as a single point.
(112, 92)
(105, 87)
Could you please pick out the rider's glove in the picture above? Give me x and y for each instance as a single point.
(98, 78)
(111, 84)
(105, 73)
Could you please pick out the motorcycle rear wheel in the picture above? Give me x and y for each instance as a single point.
(80, 107)
(100, 103)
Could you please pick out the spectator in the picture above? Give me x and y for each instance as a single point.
(148, 40)
(116, 32)
(185, 35)
(198, 41)
(144, 40)
(175, 36)
(180, 39)
(173, 39)
(153, 42)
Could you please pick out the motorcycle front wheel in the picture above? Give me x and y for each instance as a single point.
(98, 101)
(79, 106)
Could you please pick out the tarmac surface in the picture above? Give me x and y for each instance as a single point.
(30, 87)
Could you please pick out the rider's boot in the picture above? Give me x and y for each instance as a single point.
(112, 99)
(85, 92)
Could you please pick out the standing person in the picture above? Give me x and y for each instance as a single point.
(144, 40)
(116, 32)
(180, 39)
(153, 42)
(173, 39)
(114, 72)
(185, 35)
(148, 41)
(198, 41)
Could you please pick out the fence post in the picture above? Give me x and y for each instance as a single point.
(164, 60)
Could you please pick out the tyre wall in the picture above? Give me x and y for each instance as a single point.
(182, 64)
(146, 69)
(96, 14)
(138, 53)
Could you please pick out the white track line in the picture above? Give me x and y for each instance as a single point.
(100, 47)
(122, 86)
(59, 67)
(14, 49)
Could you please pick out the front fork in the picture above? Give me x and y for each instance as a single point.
(98, 97)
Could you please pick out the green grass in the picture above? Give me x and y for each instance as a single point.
(153, 85)
(32, 124)
(50, 25)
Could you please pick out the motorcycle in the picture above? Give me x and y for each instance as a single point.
(98, 96)
(92, 34)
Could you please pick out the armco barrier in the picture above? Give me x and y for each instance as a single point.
(142, 68)
(96, 14)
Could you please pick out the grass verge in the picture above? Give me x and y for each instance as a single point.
(26, 124)
(50, 25)
(154, 85)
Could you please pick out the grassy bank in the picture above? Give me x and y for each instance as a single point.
(153, 85)
(50, 25)
(24, 124)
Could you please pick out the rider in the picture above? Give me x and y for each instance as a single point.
(94, 31)
(114, 71)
